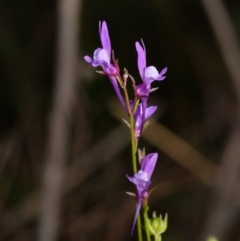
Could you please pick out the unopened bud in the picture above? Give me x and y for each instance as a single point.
(158, 225)
(125, 75)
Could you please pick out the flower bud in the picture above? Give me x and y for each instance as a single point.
(125, 75)
(157, 225)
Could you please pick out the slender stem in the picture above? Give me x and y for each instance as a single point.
(158, 238)
(134, 163)
(135, 105)
(133, 145)
(127, 100)
(132, 128)
(145, 215)
(139, 228)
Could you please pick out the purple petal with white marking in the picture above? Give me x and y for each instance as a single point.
(140, 179)
(100, 57)
(151, 74)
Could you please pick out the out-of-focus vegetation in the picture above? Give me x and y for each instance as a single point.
(197, 103)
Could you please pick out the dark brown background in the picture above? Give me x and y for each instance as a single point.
(195, 132)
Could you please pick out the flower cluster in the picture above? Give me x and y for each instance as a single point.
(102, 57)
(138, 112)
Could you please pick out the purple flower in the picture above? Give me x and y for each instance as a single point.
(140, 119)
(148, 74)
(102, 57)
(141, 180)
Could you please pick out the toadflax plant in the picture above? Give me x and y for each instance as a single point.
(138, 112)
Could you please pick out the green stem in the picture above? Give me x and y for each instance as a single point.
(145, 215)
(134, 163)
(139, 228)
(133, 146)
(133, 143)
(132, 128)
(158, 238)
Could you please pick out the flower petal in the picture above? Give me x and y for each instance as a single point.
(105, 39)
(141, 58)
(140, 180)
(140, 118)
(163, 71)
(117, 90)
(88, 59)
(138, 126)
(100, 55)
(149, 111)
(138, 207)
(144, 107)
(151, 74)
(148, 163)
(141, 176)
(132, 179)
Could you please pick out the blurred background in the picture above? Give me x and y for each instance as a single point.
(64, 151)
